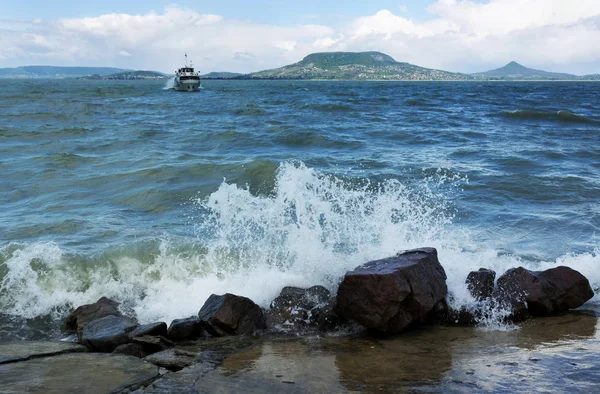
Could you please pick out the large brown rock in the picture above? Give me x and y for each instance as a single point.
(546, 292)
(390, 294)
(86, 313)
(230, 314)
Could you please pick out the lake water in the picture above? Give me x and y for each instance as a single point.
(158, 198)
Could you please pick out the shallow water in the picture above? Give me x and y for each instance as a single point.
(158, 199)
(554, 354)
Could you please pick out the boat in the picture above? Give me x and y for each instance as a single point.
(186, 79)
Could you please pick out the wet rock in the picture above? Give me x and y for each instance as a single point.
(153, 344)
(481, 283)
(296, 307)
(543, 293)
(185, 329)
(152, 329)
(390, 294)
(86, 313)
(21, 351)
(172, 359)
(105, 334)
(326, 316)
(229, 314)
(131, 349)
(77, 373)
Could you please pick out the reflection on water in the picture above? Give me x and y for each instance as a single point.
(555, 354)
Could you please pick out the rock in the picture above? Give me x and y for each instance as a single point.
(231, 315)
(152, 329)
(105, 334)
(11, 352)
(296, 307)
(154, 344)
(77, 373)
(185, 329)
(481, 283)
(389, 295)
(131, 349)
(86, 313)
(172, 359)
(326, 316)
(543, 293)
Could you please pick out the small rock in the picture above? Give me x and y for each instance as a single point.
(152, 329)
(105, 334)
(86, 313)
(172, 359)
(185, 329)
(152, 344)
(230, 314)
(131, 349)
(481, 283)
(296, 308)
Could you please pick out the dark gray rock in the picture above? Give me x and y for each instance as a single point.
(229, 314)
(481, 283)
(11, 352)
(77, 373)
(152, 329)
(543, 293)
(389, 295)
(326, 317)
(185, 329)
(153, 344)
(131, 349)
(296, 308)
(105, 334)
(86, 313)
(172, 359)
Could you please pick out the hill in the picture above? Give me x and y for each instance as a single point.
(514, 70)
(220, 75)
(130, 75)
(355, 66)
(56, 72)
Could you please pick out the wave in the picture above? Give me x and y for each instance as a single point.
(559, 116)
(309, 229)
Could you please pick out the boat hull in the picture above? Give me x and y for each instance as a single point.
(190, 85)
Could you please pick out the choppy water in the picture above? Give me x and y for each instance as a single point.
(158, 198)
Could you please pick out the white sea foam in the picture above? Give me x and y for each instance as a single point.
(310, 230)
(170, 84)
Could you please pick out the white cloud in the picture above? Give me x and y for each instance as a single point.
(459, 36)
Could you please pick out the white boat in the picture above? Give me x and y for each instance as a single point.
(186, 79)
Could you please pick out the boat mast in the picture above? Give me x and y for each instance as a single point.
(186, 59)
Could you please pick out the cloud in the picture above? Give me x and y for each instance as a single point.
(459, 36)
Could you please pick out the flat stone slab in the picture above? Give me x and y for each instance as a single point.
(20, 351)
(90, 373)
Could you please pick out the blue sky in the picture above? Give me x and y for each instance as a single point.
(245, 36)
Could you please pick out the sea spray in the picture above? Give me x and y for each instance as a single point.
(169, 84)
(310, 229)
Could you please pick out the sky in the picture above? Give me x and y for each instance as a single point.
(246, 36)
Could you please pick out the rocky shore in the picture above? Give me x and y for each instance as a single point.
(401, 301)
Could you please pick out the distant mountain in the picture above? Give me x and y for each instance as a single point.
(514, 70)
(56, 72)
(591, 77)
(220, 75)
(130, 75)
(355, 66)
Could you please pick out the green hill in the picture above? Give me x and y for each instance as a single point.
(514, 70)
(130, 75)
(56, 72)
(220, 75)
(355, 66)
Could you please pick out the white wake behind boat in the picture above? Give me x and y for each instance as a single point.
(186, 79)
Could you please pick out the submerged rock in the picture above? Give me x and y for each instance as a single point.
(86, 313)
(390, 294)
(230, 314)
(546, 292)
(185, 329)
(296, 308)
(105, 334)
(481, 283)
